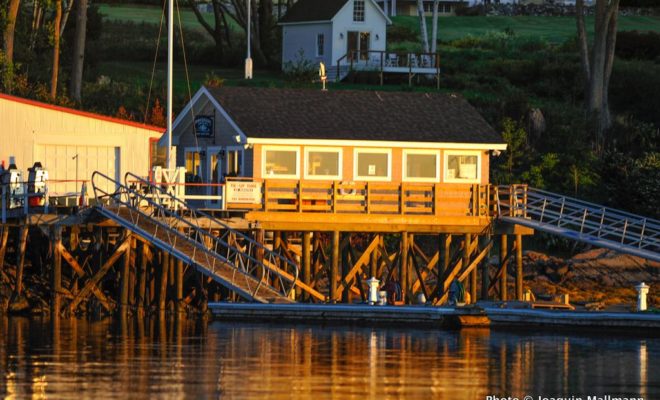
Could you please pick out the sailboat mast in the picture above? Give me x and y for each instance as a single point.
(170, 68)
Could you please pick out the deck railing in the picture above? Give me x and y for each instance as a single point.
(434, 199)
(388, 61)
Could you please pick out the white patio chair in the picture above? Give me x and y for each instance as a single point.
(392, 60)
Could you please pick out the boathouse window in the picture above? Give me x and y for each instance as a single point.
(421, 165)
(373, 164)
(194, 162)
(323, 163)
(358, 10)
(280, 162)
(462, 167)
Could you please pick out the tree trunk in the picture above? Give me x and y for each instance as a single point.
(422, 26)
(434, 34)
(56, 49)
(65, 16)
(8, 34)
(597, 63)
(79, 50)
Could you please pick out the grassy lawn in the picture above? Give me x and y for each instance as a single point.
(553, 29)
(152, 15)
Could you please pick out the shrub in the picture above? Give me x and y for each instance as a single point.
(299, 69)
(401, 33)
(638, 45)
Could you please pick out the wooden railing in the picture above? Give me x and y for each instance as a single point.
(435, 199)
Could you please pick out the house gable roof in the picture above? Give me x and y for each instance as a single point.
(313, 10)
(80, 113)
(319, 11)
(306, 114)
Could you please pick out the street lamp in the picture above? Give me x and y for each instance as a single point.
(248, 59)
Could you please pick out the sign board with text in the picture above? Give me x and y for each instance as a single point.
(243, 192)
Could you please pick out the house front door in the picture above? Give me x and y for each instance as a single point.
(357, 45)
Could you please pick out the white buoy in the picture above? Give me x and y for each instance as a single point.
(373, 290)
(642, 291)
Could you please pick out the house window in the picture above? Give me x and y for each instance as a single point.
(280, 162)
(462, 167)
(447, 8)
(323, 163)
(320, 43)
(157, 155)
(373, 164)
(421, 165)
(358, 10)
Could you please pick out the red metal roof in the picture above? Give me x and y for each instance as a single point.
(81, 113)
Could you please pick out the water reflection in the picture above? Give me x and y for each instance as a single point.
(173, 358)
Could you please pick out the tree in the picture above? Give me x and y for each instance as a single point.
(422, 26)
(434, 31)
(10, 28)
(75, 87)
(597, 62)
(220, 29)
(56, 49)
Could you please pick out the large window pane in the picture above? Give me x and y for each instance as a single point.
(421, 166)
(323, 163)
(372, 165)
(281, 162)
(462, 167)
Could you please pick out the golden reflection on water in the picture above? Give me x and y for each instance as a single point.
(167, 358)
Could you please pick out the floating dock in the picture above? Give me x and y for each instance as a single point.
(438, 317)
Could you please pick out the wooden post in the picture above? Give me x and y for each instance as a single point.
(20, 260)
(467, 239)
(306, 261)
(519, 268)
(162, 293)
(125, 276)
(503, 261)
(445, 254)
(142, 289)
(334, 266)
(485, 277)
(374, 261)
(3, 245)
(179, 286)
(403, 267)
(345, 267)
(57, 271)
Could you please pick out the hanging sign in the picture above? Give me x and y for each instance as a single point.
(204, 126)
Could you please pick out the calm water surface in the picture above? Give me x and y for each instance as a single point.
(193, 359)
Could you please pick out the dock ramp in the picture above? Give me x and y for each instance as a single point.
(233, 259)
(580, 220)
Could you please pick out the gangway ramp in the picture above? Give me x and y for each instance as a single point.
(233, 259)
(580, 220)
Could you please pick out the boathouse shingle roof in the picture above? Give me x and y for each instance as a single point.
(354, 115)
(313, 10)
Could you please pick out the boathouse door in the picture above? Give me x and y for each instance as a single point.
(225, 161)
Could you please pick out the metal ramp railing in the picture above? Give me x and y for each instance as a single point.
(231, 258)
(580, 220)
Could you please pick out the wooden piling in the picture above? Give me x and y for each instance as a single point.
(334, 267)
(306, 261)
(445, 254)
(403, 267)
(20, 260)
(485, 274)
(57, 271)
(519, 268)
(467, 239)
(162, 293)
(373, 267)
(125, 276)
(142, 285)
(179, 286)
(345, 267)
(4, 235)
(504, 248)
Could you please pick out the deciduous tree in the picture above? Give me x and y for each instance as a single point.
(597, 61)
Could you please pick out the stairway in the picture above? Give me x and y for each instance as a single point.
(331, 73)
(231, 258)
(580, 220)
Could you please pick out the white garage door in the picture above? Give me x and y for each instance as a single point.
(68, 163)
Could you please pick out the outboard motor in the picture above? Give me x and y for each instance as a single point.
(37, 177)
(11, 181)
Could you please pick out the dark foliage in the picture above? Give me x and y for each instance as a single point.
(638, 45)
